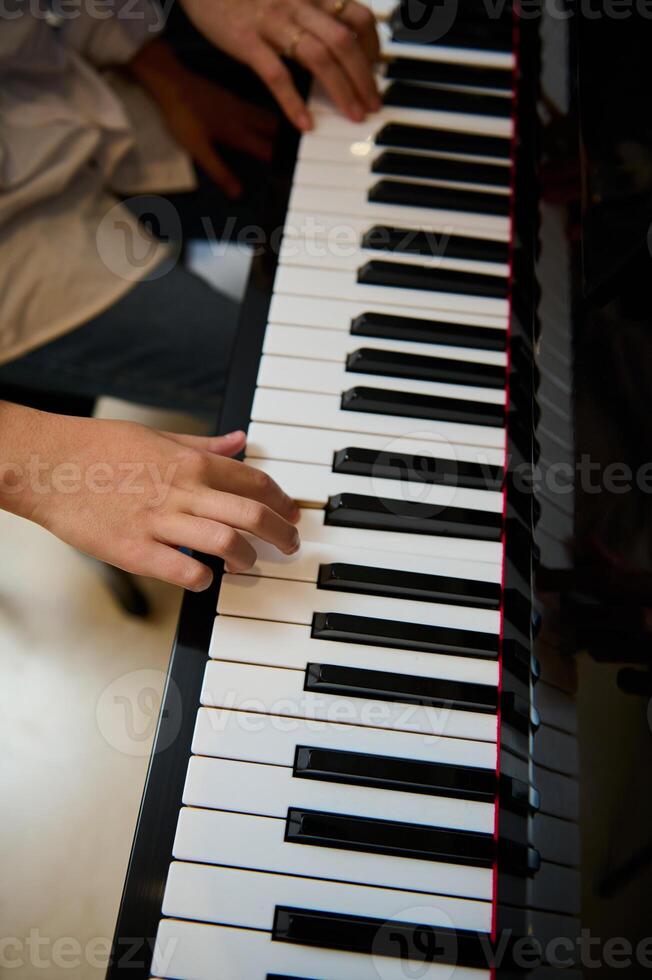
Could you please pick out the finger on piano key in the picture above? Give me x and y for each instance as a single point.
(291, 645)
(402, 458)
(314, 486)
(245, 841)
(308, 281)
(312, 526)
(334, 345)
(190, 950)
(330, 378)
(282, 600)
(249, 787)
(345, 203)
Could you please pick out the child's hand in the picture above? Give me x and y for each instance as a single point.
(200, 113)
(133, 496)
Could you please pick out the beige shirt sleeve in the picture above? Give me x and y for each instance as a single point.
(69, 137)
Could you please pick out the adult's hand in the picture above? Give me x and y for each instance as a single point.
(335, 40)
(133, 496)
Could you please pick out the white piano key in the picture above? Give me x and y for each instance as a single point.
(291, 645)
(312, 527)
(313, 485)
(442, 52)
(334, 345)
(280, 600)
(253, 736)
(196, 951)
(329, 121)
(276, 691)
(345, 231)
(313, 146)
(324, 252)
(304, 566)
(347, 203)
(302, 445)
(337, 314)
(237, 897)
(343, 283)
(324, 412)
(247, 787)
(358, 175)
(244, 841)
(328, 378)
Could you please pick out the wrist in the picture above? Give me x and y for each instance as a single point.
(22, 459)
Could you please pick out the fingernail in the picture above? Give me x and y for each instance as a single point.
(235, 436)
(304, 121)
(357, 112)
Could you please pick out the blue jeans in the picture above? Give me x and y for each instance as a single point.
(166, 343)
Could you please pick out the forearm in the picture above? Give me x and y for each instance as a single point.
(22, 434)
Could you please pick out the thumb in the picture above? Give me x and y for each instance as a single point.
(227, 445)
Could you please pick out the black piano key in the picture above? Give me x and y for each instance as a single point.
(341, 577)
(389, 837)
(389, 465)
(411, 137)
(382, 685)
(284, 976)
(414, 517)
(384, 238)
(435, 99)
(395, 327)
(405, 775)
(382, 401)
(404, 275)
(446, 73)
(404, 636)
(404, 193)
(440, 168)
(395, 364)
(469, 29)
(424, 944)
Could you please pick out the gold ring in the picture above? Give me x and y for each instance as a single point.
(338, 7)
(291, 47)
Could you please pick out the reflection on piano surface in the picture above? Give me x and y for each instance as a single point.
(377, 771)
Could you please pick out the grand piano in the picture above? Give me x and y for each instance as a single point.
(395, 754)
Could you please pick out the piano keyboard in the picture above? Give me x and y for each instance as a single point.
(342, 800)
